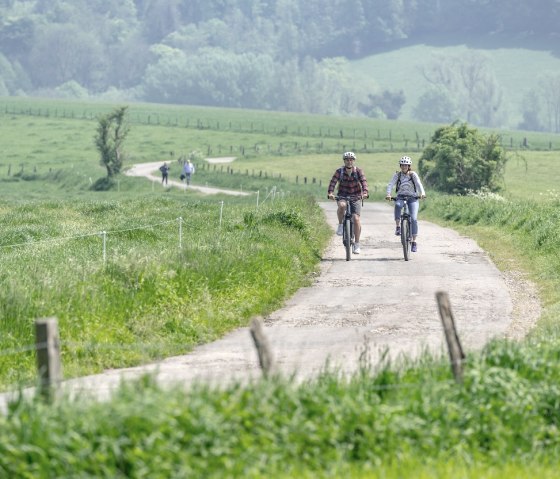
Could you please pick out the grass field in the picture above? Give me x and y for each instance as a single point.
(154, 293)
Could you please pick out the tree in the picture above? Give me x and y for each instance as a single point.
(459, 159)
(387, 104)
(162, 18)
(8, 77)
(63, 52)
(111, 133)
(470, 82)
(541, 105)
(550, 88)
(531, 109)
(435, 105)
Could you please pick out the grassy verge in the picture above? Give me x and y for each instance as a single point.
(146, 292)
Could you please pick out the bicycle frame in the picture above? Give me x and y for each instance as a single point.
(348, 224)
(406, 227)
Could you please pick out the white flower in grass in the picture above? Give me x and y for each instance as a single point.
(484, 194)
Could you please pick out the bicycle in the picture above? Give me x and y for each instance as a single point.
(348, 224)
(406, 228)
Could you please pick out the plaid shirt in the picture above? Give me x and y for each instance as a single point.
(354, 184)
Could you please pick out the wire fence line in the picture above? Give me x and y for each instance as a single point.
(104, 234)
(273, 193)
(387, 138)
(88, 235)
(48, 382)
(48, 349)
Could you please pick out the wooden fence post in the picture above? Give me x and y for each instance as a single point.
(263, 348)
(49, 365)
(456, 354)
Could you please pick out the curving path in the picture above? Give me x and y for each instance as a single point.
(376, 302)
(151, 172)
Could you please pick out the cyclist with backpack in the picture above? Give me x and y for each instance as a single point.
(408, 188)
(351, 182)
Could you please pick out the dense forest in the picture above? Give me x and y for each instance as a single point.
(288, 55)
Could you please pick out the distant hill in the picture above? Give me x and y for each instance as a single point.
(516, 69)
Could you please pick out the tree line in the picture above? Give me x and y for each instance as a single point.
(284, 55)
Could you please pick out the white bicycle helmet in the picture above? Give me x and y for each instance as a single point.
(349, 155)
(405, 160)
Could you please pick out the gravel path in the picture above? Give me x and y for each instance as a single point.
(374, 304)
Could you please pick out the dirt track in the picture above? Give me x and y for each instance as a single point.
(150, 171)
(376, 300)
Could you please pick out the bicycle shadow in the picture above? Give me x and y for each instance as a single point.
(362, 258)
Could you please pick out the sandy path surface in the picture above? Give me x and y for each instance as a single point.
(375, 301)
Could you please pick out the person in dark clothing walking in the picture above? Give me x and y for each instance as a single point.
(164, 173)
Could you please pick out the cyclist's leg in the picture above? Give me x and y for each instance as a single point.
(340, 212)
(356, 209)
(413, 210)
(398, 210)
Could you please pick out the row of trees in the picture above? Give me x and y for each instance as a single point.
(274, 54)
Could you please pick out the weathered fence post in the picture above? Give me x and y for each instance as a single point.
(263, 348)
(456, 354)
(49, 366)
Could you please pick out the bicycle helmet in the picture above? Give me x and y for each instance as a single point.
(349, 156)
(405, 160)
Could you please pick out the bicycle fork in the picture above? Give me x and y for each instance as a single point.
(348, 238)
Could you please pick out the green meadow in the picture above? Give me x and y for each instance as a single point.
(142, 272)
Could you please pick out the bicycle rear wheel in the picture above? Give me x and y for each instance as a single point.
(347, 239)
(405, 237)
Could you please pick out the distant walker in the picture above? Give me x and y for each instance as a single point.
(164, 173)
(188, 171)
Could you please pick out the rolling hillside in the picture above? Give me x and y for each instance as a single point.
(517, 70)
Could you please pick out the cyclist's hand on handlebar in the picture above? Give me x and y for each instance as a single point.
(422, 197)
(388, 197)
(365, 196)
(330, 196)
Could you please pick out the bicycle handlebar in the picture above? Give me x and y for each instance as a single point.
(404, 197)
(349, 198)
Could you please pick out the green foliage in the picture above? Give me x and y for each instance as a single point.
(435, 105)
(111, 133)
(104, 184)
(291, 219)
(460, 159)
(390, 103)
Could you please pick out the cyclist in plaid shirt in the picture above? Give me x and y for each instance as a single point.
(351, 182)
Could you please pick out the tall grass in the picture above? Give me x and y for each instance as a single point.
(382, 421)
(151, 293)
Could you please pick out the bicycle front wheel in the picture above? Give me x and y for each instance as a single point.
(405, 238)
(348, 239)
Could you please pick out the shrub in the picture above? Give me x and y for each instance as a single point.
(459, 160)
